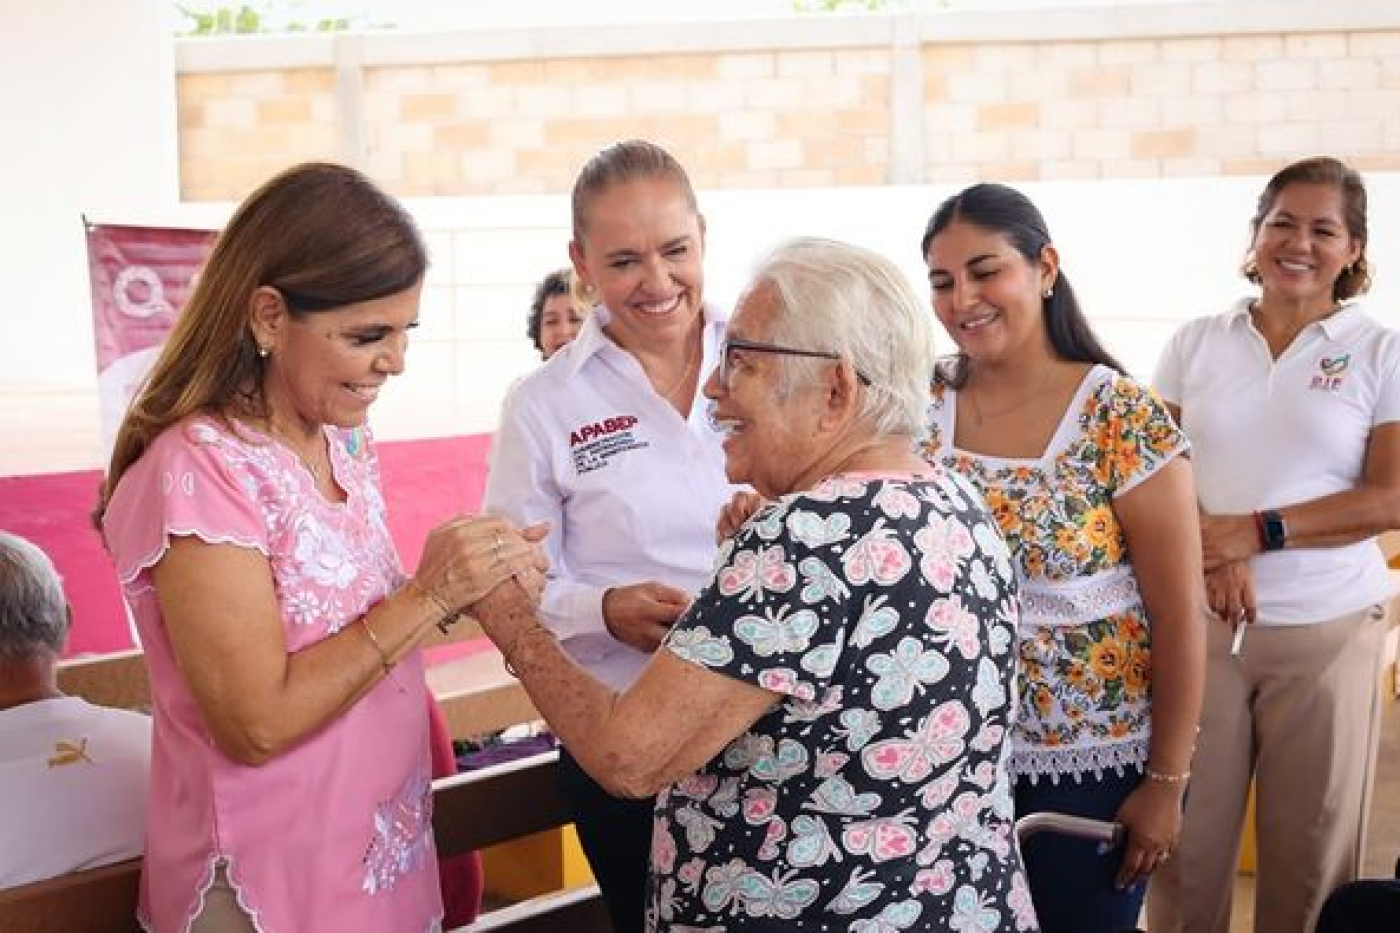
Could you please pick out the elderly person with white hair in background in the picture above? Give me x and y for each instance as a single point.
(826, 723)
(73, 776)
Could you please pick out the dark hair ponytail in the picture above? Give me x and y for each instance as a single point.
(1001, 209)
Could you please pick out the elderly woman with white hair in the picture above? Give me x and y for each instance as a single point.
(826, 723)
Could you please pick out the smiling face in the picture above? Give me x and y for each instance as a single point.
(1302, 244)
(772, 440)
(641, 249)
(327, 367)
(986, 294)
(560, 320)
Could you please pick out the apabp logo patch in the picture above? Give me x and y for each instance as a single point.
(595, 444)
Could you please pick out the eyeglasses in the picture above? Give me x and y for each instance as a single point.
(732, 345)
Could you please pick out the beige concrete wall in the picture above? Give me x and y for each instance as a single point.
(1215, 88)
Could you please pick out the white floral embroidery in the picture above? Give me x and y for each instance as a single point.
(401, 840)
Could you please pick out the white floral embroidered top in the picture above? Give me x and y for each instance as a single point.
(1085, 638)
(335, 834)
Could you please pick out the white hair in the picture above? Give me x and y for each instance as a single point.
(33, 610)
(841, 298)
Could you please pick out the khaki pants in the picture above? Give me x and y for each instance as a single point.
(1299, 712)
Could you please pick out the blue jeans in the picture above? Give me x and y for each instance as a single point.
(1072, 882)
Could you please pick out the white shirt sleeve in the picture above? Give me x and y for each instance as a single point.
(1168, 377)
(521, 485)
(1388, 388)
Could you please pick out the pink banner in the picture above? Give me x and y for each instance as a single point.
(426, 482)
(141, 278)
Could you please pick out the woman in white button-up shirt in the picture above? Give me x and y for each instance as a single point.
(610, 444)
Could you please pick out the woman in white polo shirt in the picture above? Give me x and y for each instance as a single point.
(609, 443)
(1291, 401)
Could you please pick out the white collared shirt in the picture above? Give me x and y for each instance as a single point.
(1269, 433)
(631, 491)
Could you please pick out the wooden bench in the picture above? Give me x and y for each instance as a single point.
(476, 694)
(470, 811)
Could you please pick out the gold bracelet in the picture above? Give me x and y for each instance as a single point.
(449, 616)
(1166, 778)
(384, 661)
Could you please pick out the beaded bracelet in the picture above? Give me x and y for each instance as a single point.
(1166, 778)
(384, 661)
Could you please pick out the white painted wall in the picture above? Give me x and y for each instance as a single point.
(87, 106)
(1143, 255)
(87, 100)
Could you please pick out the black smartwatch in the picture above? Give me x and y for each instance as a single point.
(1273, 532)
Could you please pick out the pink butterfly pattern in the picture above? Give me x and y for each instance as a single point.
(873, 794)
(751, 572)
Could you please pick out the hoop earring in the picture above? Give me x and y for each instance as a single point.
(1250, 267)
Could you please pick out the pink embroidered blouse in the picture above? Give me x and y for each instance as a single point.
(336, 833)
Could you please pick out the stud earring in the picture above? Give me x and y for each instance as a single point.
(1049, 293)
(263, 352)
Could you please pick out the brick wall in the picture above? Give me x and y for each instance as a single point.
(1205, 89)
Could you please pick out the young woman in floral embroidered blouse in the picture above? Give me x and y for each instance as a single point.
(1086, 475)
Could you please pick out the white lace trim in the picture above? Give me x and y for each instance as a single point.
(1055, 603)
(1078, 760)
(218, 862)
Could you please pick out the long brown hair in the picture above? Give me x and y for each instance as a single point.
(323, 235)
(1003, 210)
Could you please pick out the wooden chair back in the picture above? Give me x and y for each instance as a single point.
(470, 811)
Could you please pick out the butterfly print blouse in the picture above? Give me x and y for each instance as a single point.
(880, 610)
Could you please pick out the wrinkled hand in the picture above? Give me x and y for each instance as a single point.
(470, 555)
(1230, 592)
(1226, 539)
(1151, 820)
(640, 615)
(735, 512)
(504, 610)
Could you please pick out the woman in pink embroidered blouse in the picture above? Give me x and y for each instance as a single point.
(290, 775)
(1084, 470)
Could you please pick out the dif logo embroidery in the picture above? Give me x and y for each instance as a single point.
(594, 445)
(1331, 370)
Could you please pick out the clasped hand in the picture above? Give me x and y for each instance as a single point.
(468, 556)
(1226, 539)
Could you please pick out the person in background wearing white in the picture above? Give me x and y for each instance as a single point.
(609, 444)
(1291, 401)
(73, 775)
